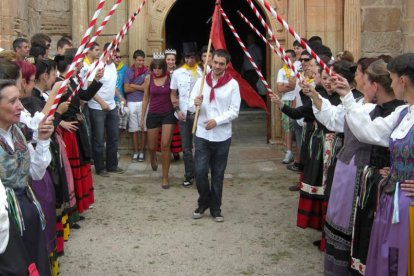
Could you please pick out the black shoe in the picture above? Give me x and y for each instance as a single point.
(176, 156)
(188, 181)
(293, 167)
(117, 170)
(199, 212)
(103, 173)
(75, 226)
(317, 243)
(294, 188)
(217, 216)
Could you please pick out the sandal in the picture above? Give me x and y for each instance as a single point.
(154, 164)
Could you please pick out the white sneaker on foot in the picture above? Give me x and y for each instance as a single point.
(288, 157)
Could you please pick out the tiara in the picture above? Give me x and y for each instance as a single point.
(159, 55)
(170, 52)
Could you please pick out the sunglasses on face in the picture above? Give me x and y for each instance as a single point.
(305, 59)
(117, 57)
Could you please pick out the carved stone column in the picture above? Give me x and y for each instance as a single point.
(138, 31)
(80, 19)
(296, 19)
(352, 27)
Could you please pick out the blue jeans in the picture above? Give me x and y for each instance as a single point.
(187, 143)
(210, 155)
(102, 121)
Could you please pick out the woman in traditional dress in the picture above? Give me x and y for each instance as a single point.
(391, 247)
(353, 156)
(157, 99)
(20, 162)
(75, 133)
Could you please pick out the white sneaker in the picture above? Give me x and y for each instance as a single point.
(135, 157)
(288, 157)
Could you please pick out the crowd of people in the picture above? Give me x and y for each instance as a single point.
(354, 156)
(46, 160)
(353, 130)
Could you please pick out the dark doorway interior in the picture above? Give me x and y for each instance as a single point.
(189, 20)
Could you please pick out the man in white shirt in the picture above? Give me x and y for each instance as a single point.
(286, 84)
(104, 119)
(182, 82)
(219, 105)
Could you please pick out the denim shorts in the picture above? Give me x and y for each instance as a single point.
(156, 120)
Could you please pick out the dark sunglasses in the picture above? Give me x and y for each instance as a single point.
(305, 59)
(117, 57)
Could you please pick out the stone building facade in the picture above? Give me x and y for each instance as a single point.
(365, 27)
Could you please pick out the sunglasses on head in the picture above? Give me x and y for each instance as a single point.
(305, 59)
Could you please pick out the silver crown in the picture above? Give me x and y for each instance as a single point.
(159, 55)
(170, 52)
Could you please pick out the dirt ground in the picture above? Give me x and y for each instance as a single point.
(136, 228)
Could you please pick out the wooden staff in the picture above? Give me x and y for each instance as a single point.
(203, 80)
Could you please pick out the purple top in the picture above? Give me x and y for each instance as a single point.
(129, 78)
(160, 101)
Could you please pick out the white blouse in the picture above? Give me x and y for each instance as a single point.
(333, 117)
(378, 131)
(39, 158)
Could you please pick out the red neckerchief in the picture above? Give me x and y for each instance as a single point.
(221, 81)
(138, 72)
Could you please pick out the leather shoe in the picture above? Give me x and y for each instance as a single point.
(103, 173)
(117, 170)
(293, 167)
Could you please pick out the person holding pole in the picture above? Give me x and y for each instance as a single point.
(219, 104)
(182, 82)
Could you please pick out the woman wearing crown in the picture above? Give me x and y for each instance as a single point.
(170, 59)
(157, 99)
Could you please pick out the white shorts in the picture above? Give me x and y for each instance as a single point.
(135, 113)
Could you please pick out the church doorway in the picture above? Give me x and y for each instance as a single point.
(190, 20)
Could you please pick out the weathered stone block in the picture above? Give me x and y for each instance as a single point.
(381, 42)
(381, 19)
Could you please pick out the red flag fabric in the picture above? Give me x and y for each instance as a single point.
(247, 93)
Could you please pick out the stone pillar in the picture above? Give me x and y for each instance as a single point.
(296, 19)
(80, 20)
(137, 32)
(408, 26)
(8, 14)
(352, 27)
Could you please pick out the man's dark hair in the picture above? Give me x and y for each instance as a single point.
(291, 52)
(17, 43)
(37, 51)
(63, 42)
(40, 39)
(138, 53)
(94, 44)
(315, 39)
(222, 53)
(296, 43)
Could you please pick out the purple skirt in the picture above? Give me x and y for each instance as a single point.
(388, 247)
(45, 194)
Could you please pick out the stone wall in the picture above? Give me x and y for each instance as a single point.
(382, 31)
(23, 18)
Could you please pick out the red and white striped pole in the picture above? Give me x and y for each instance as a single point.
(101, 27)
(93, 39)
(77, 59)
(115, 42)
(294, 34)
(245, 51)
(280, 51)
